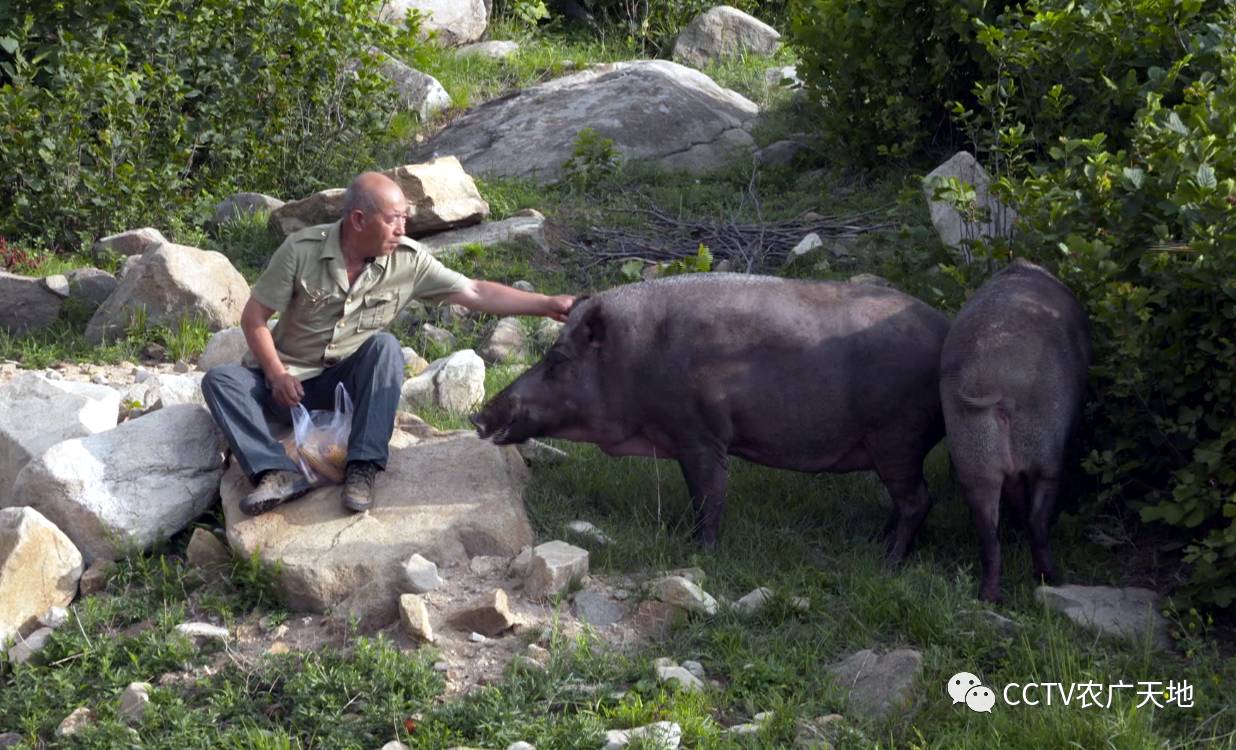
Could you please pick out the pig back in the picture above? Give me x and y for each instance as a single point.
(826, 361)
(1023, 341)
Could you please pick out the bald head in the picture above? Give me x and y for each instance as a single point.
(369, 192)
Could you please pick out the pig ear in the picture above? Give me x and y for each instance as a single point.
(592, 327)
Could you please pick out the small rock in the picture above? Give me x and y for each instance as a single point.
(489, 614)
(153, 351)
(694, 667)
(57, 284)
(477, 638)
(133, 701)
(99, 379)
(205, 550)
(663, 735)
(524, 286)
(394, 745)
(25, 648)
(54, 617)
(754, 601)
(141, 374)
(421, 575)
(10, 739)
(415, 617)
(588, 531)
(800, 603)
(182, 366)
(554, 565)
(96, 576)
(521, 745)
(522, 563)
(75, 722)
(807, 244)
(441, 666)
(668, 671)
(200, 631)
(683, 593)
(484, 566)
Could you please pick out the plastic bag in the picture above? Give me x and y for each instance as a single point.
(321, 439)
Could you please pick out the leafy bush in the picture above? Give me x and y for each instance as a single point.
(1145, 234)
(116, 114)
(885, 69)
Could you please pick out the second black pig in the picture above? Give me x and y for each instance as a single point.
(1012, 382)
(810, 376)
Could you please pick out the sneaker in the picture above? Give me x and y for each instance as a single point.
(273, 488)
(358, 485)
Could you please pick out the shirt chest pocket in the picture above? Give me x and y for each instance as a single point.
(377, 310)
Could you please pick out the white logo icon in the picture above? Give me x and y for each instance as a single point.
(965, 688)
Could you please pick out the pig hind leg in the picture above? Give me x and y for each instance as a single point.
(1043, 493)
(983, 497)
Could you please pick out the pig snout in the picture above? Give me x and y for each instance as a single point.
(495, 419)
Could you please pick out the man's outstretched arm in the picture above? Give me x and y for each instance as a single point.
(499, 299)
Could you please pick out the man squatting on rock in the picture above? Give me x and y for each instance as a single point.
(336, 287)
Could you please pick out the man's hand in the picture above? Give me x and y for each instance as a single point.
(287, 390)
(559, 306)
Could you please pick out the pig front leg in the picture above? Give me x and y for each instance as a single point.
(706, 473)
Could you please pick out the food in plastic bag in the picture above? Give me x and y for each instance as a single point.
(321, 439)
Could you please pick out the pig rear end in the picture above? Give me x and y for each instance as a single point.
(1012, 385)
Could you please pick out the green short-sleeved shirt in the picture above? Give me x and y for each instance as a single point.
(322, 320)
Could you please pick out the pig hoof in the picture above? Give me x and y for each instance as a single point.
(992, 596)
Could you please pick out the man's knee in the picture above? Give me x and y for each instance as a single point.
(225, 379)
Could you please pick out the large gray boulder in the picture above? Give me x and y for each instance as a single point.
(128, 487)
(455, 383)
(452, 22)
(39, 569)
(441, 195)
(525, 230)
(954, 229)
(653, 110)
(724, 32)
(26, 304)
(446, 497)
(36, 413)
(172, 281)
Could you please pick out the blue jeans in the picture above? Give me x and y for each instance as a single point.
(244, 407)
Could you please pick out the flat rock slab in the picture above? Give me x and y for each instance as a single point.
(1130, 613)
(878, 684)
(653, 110)
(447, 498)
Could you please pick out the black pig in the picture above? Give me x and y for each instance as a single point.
(1012, 382)
(810, 376)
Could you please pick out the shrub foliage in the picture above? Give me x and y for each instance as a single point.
(118, 113)
(1110, 125)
